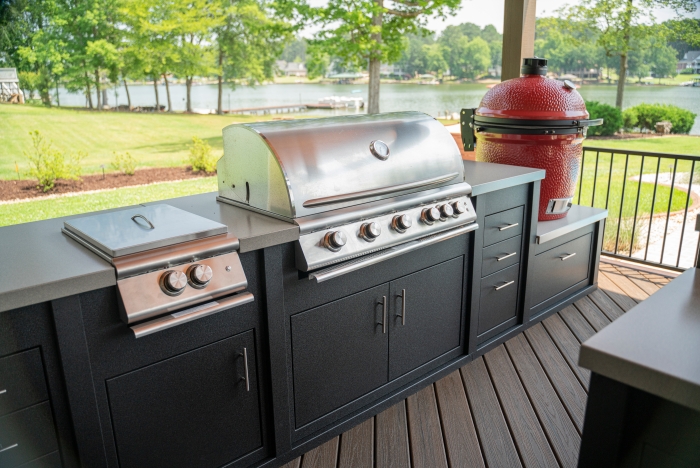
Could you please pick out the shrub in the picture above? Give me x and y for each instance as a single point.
(124, 162)
(649, 114)
(612, 118)
(687, 71)
(47, 164)
(201, 157)
(630, 119)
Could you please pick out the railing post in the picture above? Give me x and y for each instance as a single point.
(697, 251)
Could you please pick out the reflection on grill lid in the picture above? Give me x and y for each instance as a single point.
(298, 168)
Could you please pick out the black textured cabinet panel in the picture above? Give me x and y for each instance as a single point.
(22, 381)
(26, 434)
(497, 306)
(192, 410)
(52, 460)
(339, 352)
(569, 272)
(503, 225)
(508, 251)
(432, 302)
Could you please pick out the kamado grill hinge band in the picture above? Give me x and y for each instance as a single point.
(470, 124)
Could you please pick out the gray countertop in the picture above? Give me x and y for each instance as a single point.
(487, 177)
(40, 264)
(577, 217)
(655, 347)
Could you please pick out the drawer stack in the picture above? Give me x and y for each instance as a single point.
(27, 431)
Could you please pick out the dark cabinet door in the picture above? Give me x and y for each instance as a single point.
(339, 352)
(192, 410)
(426, 311)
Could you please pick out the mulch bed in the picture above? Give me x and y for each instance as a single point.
(23, 189)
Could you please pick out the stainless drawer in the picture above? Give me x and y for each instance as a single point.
(560, 268)
(499, 299)
(22, 381)
(503, 225)
(26, 435)
(501, 255)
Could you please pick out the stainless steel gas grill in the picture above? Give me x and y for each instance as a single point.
(172, 266)
(362, 189)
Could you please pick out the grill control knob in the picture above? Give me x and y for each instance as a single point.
(459, 207)
(401, 223)
(335, 240)
(370, 231)
(173, 282)
(446, 211)
(430, 215)
(200, 275)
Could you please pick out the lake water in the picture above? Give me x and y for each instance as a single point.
(433, 100)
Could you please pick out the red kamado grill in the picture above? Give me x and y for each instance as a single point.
(533, 121)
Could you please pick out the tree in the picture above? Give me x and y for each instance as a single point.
(413, 57)
(621, 25)
(434, 61)
(295, 50)
(369, 32)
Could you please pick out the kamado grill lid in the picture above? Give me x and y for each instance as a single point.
(531, 105)
(133, 230)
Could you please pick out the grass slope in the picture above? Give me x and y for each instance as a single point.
(680, 144)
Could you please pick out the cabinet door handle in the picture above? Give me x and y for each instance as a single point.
(498, 259)
(403, 307)
(244, 354)
(3, 391)
(498, 288)
(503, 228)
(566, 257)
(383, 322)
(9, 448)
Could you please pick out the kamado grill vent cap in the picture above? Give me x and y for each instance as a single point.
(534, 66)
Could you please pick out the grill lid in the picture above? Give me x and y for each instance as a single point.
(123, 232)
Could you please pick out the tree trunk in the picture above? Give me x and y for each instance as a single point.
(58, 101)
(128, 96)
(621, 81)
(188, 84)
(155, 87)
(89, 91)
(375, 63)
(97, 89)
(219, 109)
(167, 93)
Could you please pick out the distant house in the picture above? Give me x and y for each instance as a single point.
(291, 68)
(691, 60)
(9, 86)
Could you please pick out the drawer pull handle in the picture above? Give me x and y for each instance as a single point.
(503, 228)
(566, 257)
(244, 354)
(403, 307)
(3, 391)
(498, 259)
(9, 448)
(383, 322)
(498, 288)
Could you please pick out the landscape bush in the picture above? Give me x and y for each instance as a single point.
(687, 71)
(201, 157)
(629, 118)
(612, 118)
(47, 164)
(124, 162)
(649, 114)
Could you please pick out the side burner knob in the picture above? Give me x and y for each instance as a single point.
(446, 211)
(430, 215)
(335, 240)
(401, 223)
(173, 282)
(459, 207)
(370, 231)
(200, 275)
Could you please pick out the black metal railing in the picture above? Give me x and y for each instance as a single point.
(652, 201)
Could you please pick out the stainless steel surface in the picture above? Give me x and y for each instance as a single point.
(116, 234)
(446, 210)
(459, 207)
(370, 231)
(353, 265)
(379, 149)
(246, 377)
(200, 275)
(139, 216)
(498, 288)
(498, 259)
(430, 215)
(401, 223)
(335, 240)
(403, 307)
(503, 228)
(566, 257)
(278, 167)
(383, 303)
(312, 252)
(9, 448)
(188, 315)
(559, 205)
(173, 282)
(142, 298)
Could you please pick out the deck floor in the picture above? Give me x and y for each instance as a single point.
(521, 404)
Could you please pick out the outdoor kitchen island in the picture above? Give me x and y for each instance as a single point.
(262, 383)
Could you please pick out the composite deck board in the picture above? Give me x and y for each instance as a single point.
(521, 404)
(461, 441)
(528, 435)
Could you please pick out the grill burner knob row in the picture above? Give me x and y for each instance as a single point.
(370, 231)
(446, 211)
(335, 240)
(173, 282)
(430, 215)
(200, 275)
(401, 223)
(459, 207)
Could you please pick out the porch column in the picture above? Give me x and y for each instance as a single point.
(518, 35)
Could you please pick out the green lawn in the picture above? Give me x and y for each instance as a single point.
(681, 144)
(24, 212)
